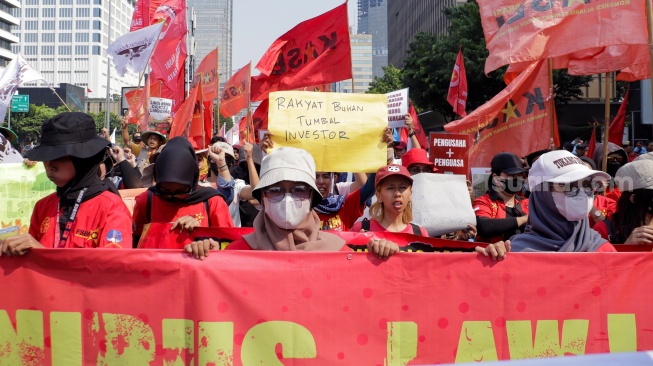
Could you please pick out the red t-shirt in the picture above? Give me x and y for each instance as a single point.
(241, 244)
(487, 207)
(606, 247)
(375, 226)
(101, 222)
(164, 211)
(344, 219)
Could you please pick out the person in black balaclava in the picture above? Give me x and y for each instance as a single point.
(617, 157)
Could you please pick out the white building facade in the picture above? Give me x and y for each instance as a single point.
(7, 39)
(66, 40)
(362, 69)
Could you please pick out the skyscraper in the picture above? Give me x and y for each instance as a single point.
(373, 20)
(6, 38)
(361, 58)
(67, 40)
(406, 18)
(213, 27)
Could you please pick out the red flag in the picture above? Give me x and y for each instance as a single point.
(245, 131)
(182, 120)
(235, 95)
(419, 131)
(535, 31)
(209, 116)
(141, 15)
(616, 129)
(260, 118)
(207, 72)
(316, 51)
(520, 113)
(592, 145)
(458, 87)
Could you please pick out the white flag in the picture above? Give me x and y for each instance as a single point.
(112, 139)
(17, 72)
(132, 51)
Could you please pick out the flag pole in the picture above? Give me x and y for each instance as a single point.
(107, 113)
(217, 75)
(552, 103)
(250, 123)
(649, 17)
(606, 132)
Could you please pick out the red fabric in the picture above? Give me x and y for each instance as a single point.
(344, 219)
(168, 61)
(602, 229)
(520, 112)
(607, 207)
(316, 51)
(376, 227)
(616, 129)
(457, 96)
(207, 73)
(260, 118)
(613, 193)
(166, 212)
(241, 244)
(235, 95)
(181, 121)
(96, 219)
(419, 130)
(141, 15)
(245, 132)
(575, 30)
(606, 248)
(592, 145)
(484, 206)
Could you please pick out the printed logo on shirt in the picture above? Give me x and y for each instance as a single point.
(198, 217)
(88, 234)
(333, 223)
(114, 236)
(45, 225)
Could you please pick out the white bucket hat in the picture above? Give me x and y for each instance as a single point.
(561, 166)
(291, 164)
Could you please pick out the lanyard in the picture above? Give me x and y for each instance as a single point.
(66, 231)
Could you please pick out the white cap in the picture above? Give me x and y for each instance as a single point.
(635, 175)
(561, 166)
(226, 148)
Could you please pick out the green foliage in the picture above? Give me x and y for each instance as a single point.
(392, 80)
(427, 69)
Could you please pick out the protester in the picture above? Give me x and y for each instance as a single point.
(628, 148)
(392, 210)
(603, 207)
(120, 170)
(136, 144)
(639, 148)
(561, 199)
(617, 158)
(83, 212)
(631, 224)
(153, 142)
(580, 150)
(177, 197)
(7, 152)
(532, 157)
(501, 213)
(400, 149)
(417, 161)
(412, 134)
(649, 146)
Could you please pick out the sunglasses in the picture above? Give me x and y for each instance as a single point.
(276, 194)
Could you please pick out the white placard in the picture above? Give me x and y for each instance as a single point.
(441, 203)
(397, 107)
(160, 108)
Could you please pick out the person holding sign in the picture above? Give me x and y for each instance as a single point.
(631, 224)
(177, 196)
(84, 212)
(562, 195)
(501, 213)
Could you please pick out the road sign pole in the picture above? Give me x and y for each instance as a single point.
(9, 122)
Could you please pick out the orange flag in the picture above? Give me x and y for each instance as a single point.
(245, 130)
(235, 95)
(316, 51)
(536, 30)
(207, 72)
(516, 120)
(457, 96)
(181, 122)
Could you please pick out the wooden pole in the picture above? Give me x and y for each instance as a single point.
(250, 123)
(551, 104)
(606, 131)
(217, 75)
(649, 17)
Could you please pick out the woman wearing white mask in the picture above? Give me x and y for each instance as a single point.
(561, 199)
(287, 222)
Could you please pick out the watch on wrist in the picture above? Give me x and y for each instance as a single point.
(597, 213)
(411, 134)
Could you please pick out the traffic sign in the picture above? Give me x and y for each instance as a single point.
(20, 103)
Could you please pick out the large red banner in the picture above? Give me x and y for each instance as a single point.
(104, 306)
(450, 152)
(518, 119)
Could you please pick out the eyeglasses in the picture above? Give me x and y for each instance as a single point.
(572, 189)
(276, 194)
(616, 158)
(416, 170)
(181, 193)
(137, 139)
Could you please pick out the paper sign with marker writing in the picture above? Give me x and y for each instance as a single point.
(341, 131)
(441, 203)
(20, 188)
(160, 110)
(397, 108)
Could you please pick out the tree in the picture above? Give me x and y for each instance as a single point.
(392, 80)
(427, 69)
(28, 125)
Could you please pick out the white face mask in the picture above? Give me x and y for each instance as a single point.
(289, 212)
(573, 208)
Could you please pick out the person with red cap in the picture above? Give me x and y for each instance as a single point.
(417, 161)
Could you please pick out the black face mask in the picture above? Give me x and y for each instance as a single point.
(512, 185)
(612, 168)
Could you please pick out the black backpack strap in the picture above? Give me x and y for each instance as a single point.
(612, 234)
(365, 225)
(208, 211)
(148, 208)
(416, 229)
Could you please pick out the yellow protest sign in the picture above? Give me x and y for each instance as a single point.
(20, 188)
(341, 131)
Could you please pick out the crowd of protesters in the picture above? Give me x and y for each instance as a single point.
(549, 200)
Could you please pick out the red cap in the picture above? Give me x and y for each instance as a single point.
(416, 156)
(389, 170)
